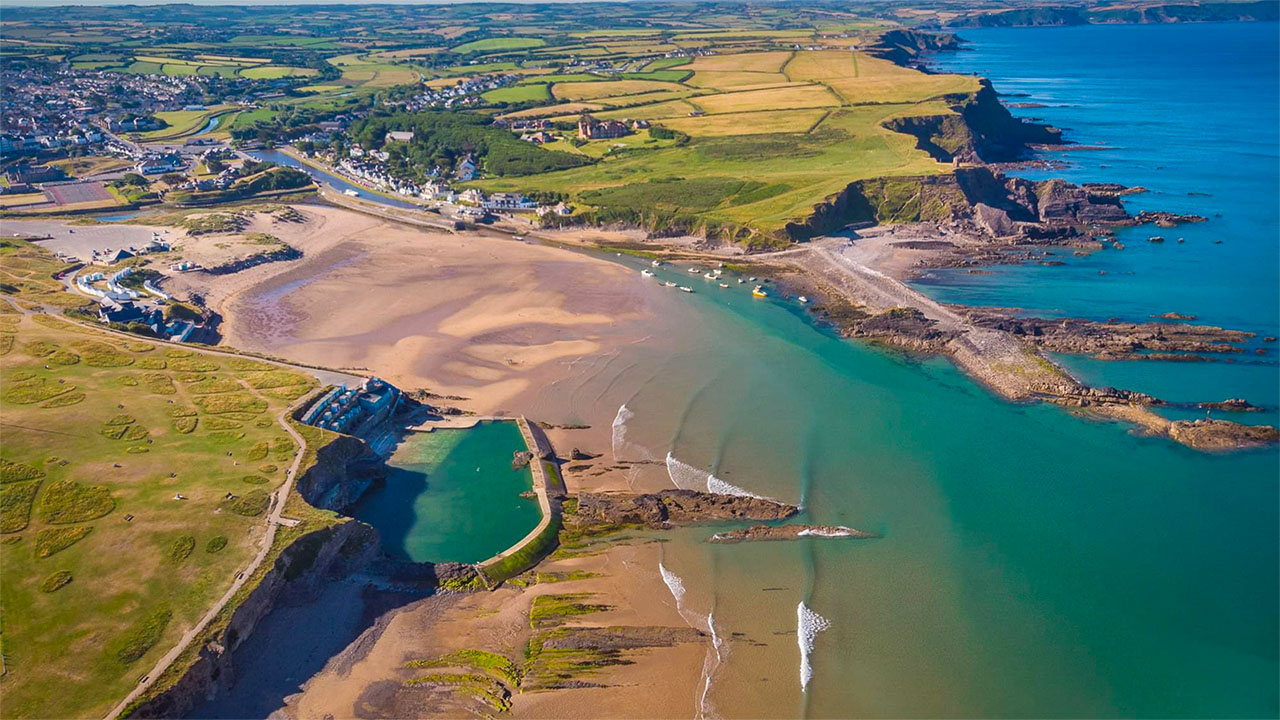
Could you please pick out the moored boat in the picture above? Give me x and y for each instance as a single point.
(758, 291)
(684, 288)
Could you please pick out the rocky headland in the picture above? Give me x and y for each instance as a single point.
(676, 507)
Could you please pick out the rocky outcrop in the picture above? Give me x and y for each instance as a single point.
(344, 469)
(788, 532)
(1222, 435)
(1260, 10)
(904, 47)
(979, 197)
(296, 575)
(285, 253)
(677, 507)
(1116, 339)
(978, 129)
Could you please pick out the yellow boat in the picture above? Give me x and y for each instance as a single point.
(758, 291)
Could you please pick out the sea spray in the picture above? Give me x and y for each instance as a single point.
(620, 430)
(687, 477)
(715, 654)
(808, 625)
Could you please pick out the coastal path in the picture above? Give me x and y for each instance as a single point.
(274, 520)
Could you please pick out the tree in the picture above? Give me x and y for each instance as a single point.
(214, 165)
(173, 178)
(133, 180)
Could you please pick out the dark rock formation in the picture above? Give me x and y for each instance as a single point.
(343, 470)
(1222, 435)
(1115, 339)
(904, 47)
(577, 454)
(788, 532)
(669, 507)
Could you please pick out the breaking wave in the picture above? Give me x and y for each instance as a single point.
(716, 653)
(836, 532)
(687, 477)
(620, 430)
(808, 625)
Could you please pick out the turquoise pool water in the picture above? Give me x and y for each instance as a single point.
(452, 496)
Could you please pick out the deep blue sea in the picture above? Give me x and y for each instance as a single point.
(1191, 112)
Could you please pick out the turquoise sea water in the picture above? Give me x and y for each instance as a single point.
(452, 496)
(1191, 112)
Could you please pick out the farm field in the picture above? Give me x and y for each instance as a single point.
(103, 567)
(499, 45)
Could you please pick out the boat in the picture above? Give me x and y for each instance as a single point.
(758, 291)
(656, 263)
(724, 285)
(740, 281)
(352, 193)
(693, 270)
(685, 288)
(647, 273)
(518, 237)
(752, 278)
(669, 284)
(709, 276)
(803, 299)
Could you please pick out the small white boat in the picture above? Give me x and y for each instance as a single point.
(352, 193)
(669, 284)
(752, 278)
(803, 299)
(684, 288)
(693, 270)
(647, 273)
(724, 285)
(518, 237)
(740, 281)
(656, 263)
(709, 276)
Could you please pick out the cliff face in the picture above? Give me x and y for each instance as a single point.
(980, 130)
(296, 575)
(1000, 205)
(1154, 13)
(905, 46)
(343, 470)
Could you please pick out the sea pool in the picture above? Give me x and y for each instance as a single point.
(452, 495)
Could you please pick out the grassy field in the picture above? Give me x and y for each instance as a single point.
(535, 92)
(789, 97)
(607, 88)
(499, 44)
(103, 568)
(182, 123)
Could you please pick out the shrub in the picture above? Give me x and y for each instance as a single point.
(287, 392)
(64, 400)
(258, 451)
(114, 432)
(63, 357)
(180, 549)
(252, 503)
(54, 540)
(152, 363)
(267, 469)
(216, 544)
(56, 581)
(231, 402)
(68, 501)
(128, 381)
(179, 411)
(15, 504)
(225, 437)
(213, 386)
(100, 354)
(17, 472)
(136, 432)
(255, 479)
(194, 364)
(217, 423)
(143, 636)
(274, 379)
(121, 419)
(158, 383)
(34, 390)
(185, 425)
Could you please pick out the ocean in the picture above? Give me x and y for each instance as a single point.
(1033, 563)
(1192, 113)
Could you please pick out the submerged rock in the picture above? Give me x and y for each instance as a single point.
(789, 532)
(1222, 435)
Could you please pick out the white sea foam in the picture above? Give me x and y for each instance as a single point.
(687, 477)
(808, 625)
(620, 430)
(840, 531)
(675, 585)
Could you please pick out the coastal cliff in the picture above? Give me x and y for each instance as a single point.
(1050, 15)
(979, 129)
(344, 469)
(296, 575)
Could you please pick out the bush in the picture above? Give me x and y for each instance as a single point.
(252, 503)
(54, 540)
(216, 544)
(64, 400)
(192, 364)
(185, 425)
(255, 479)
(67, 501)
(100, 354)
(180, 549)
(56, 581)
(15, 504)
(143, 636)
(17, 472)
(34, 390)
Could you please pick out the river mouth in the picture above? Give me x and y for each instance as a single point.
(452, 495)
